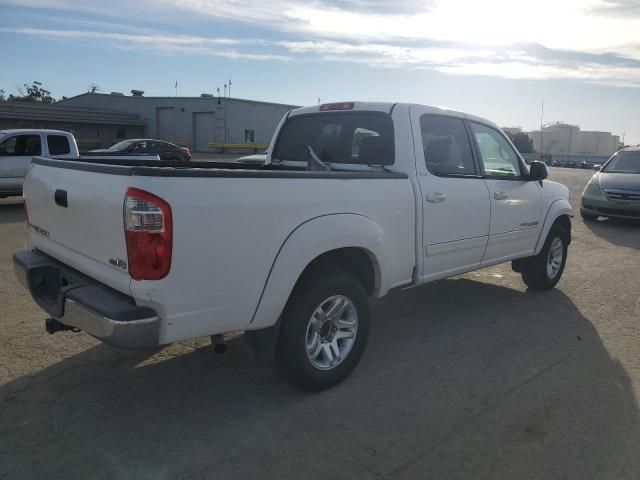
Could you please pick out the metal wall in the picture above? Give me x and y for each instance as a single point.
(188, 120)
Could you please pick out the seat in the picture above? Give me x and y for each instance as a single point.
(438, 154)
(374, 151)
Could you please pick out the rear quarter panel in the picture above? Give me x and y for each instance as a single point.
(228, 231)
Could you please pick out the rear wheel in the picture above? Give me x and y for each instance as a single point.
(543, 271)
(324, 330)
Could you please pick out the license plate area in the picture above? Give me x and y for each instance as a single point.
(49, 285)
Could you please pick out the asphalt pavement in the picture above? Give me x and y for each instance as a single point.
(472, 377)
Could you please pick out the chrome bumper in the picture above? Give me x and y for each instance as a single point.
(81, 302)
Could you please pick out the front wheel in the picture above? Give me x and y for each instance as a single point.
(324, 330)
(543, 271)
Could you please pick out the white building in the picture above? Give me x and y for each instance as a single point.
(566, 139)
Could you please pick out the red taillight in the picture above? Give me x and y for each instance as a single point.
(148, 231)
(336, 106)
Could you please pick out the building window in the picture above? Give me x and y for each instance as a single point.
(121, 133)
(249, 136)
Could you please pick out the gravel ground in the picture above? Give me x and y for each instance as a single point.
(468, 378)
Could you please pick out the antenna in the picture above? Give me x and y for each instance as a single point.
(93, 88)
(218, 90)
(229, 88)
(176, 87)
(225, 90)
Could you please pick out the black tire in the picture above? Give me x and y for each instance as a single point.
(587, 216)
(534, 272)
(291, 359)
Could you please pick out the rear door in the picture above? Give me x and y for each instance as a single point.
(515, 201)
(16, 153)
(454, 196)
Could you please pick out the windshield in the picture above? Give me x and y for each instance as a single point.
(120, 145)
(624, 162)
(338, 137)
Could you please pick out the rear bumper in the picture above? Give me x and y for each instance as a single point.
(81, 302)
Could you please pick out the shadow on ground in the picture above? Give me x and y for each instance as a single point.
(461, 379)
(11, 212)
(620, 232)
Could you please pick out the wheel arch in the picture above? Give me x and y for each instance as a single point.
(351, 241)
(559, 212)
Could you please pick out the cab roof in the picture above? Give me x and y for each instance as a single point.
(385, 107)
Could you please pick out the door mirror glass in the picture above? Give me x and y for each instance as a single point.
(538, 171)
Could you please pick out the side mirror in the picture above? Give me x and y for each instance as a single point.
(538, 171)
(597, 167)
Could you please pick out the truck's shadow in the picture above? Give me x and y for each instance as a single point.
(460, 380)
(621, 232)
(11, 211)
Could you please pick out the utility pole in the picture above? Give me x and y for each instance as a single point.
(541, 115)
(229, 88)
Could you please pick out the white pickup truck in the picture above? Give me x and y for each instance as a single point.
(19, 146)
(354, 200)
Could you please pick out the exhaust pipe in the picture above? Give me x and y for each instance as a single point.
(51, 325)
(218, 343)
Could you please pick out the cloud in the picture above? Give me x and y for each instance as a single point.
(592, 41)
(156, 43)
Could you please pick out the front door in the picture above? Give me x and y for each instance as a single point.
(16, 153)
(515, 200)
(454, 196)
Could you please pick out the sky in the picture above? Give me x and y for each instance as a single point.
(499, 59)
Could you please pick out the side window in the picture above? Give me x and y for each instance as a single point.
(447, 150)
(58, 144)
(21, 146)
(249, 136)
(498, 157)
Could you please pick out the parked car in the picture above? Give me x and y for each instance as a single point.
(570, 164)
(554, 163)
(355, 199)
(614, 191)
(165, 150)
(18, 147)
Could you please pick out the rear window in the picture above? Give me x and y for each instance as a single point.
(338, 137)
(58, 145)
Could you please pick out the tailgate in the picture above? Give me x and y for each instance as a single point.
(76, 216)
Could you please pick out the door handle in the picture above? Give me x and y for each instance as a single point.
(60, 197)
(500, 195)
(436, 197)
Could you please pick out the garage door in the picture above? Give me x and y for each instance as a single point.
(204, 129)
(166, 123)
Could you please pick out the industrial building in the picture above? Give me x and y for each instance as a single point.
(566, 139)
(204, 123)
(92, 127)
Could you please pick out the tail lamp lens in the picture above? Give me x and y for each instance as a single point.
(149, 235)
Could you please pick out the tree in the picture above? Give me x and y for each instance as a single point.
(522, 142)
(36, 93)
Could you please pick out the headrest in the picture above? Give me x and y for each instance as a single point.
(374, 151)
